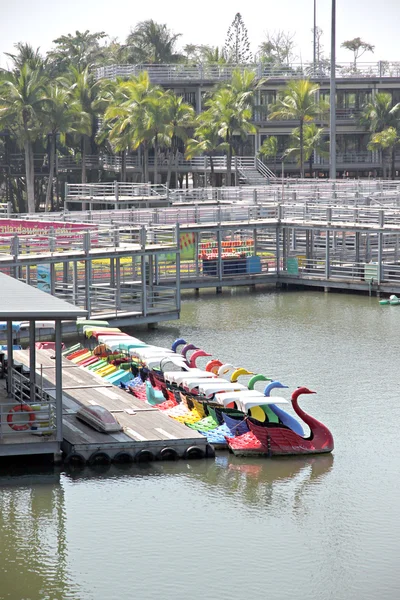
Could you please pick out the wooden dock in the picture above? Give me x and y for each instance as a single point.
(147, 434)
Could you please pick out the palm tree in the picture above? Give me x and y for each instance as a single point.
(62, 114)
(152, 43)
(81, 50)
(298, 103)
(128, 117)
(180, 117)
(85, 92)
(232, 114)
(269, 148)
(22, 99)
(384, 140)
(314, 141)
(379, 115)
(206, 141)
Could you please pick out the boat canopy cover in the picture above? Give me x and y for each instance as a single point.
(105, 339)
(176, 360)
(247, 403)
(178, 376)
(156, 360)
(150, 351)
(233, 396)
(193, 384)
(209, 389)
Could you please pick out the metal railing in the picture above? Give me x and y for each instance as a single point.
(38, 414)
(165, 73)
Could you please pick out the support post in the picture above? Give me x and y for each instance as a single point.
(32, 360)
(327, 254)
(332, 98)
(144, 289)
(118, 284)
(59, 408)
(219, 259)
(10, 361)
(380, 255)
(75, 282)
(178, 268)
(277, 250)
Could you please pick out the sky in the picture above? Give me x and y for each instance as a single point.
(39, 22)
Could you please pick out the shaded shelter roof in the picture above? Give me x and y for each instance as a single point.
(23, 302)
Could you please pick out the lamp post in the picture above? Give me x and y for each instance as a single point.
(332, 102)
(315, 37)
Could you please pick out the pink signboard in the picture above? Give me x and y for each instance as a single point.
(41, 228)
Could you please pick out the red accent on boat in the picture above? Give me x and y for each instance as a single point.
(283, 441)
(195, 356)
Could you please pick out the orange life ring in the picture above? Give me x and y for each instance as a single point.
(20, 408)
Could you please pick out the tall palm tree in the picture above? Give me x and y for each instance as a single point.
(314, 140)
(206, 141)
(81, 50)
(152, 43)
(180, 117)
(62, 114)
(232, 113)
(385, 140)
(380, 113)
(22, 99)
(85, 91)
(269, 148)
(128, 118)
(298, 103)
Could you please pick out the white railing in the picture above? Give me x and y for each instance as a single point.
(211, 72)
(38, 414)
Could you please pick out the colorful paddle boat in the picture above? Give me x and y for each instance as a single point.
(269, 439)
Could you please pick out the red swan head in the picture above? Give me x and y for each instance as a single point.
(301, 390)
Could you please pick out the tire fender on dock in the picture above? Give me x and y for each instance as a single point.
(99, 458)
(194, 452)
(75, 459)
(168, 454)
(144, 456)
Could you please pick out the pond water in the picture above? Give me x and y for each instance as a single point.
(325, 527)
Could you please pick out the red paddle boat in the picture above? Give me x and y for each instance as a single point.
(271, 439)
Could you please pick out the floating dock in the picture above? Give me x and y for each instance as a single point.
(147, 434)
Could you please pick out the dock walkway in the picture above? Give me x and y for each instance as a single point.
(147, 433)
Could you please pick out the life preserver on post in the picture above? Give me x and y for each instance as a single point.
(20, 408)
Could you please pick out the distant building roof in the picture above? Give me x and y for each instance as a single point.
(23, 302)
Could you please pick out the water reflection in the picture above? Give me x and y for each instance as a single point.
(253, 482)
(33, 547)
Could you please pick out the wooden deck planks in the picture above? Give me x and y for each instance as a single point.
(147, 424)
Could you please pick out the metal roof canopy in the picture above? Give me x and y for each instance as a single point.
(23, 302)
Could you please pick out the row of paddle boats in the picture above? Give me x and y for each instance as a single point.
(210, 400)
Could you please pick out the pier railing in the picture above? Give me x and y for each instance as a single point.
(204, 72)
(40, 419)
